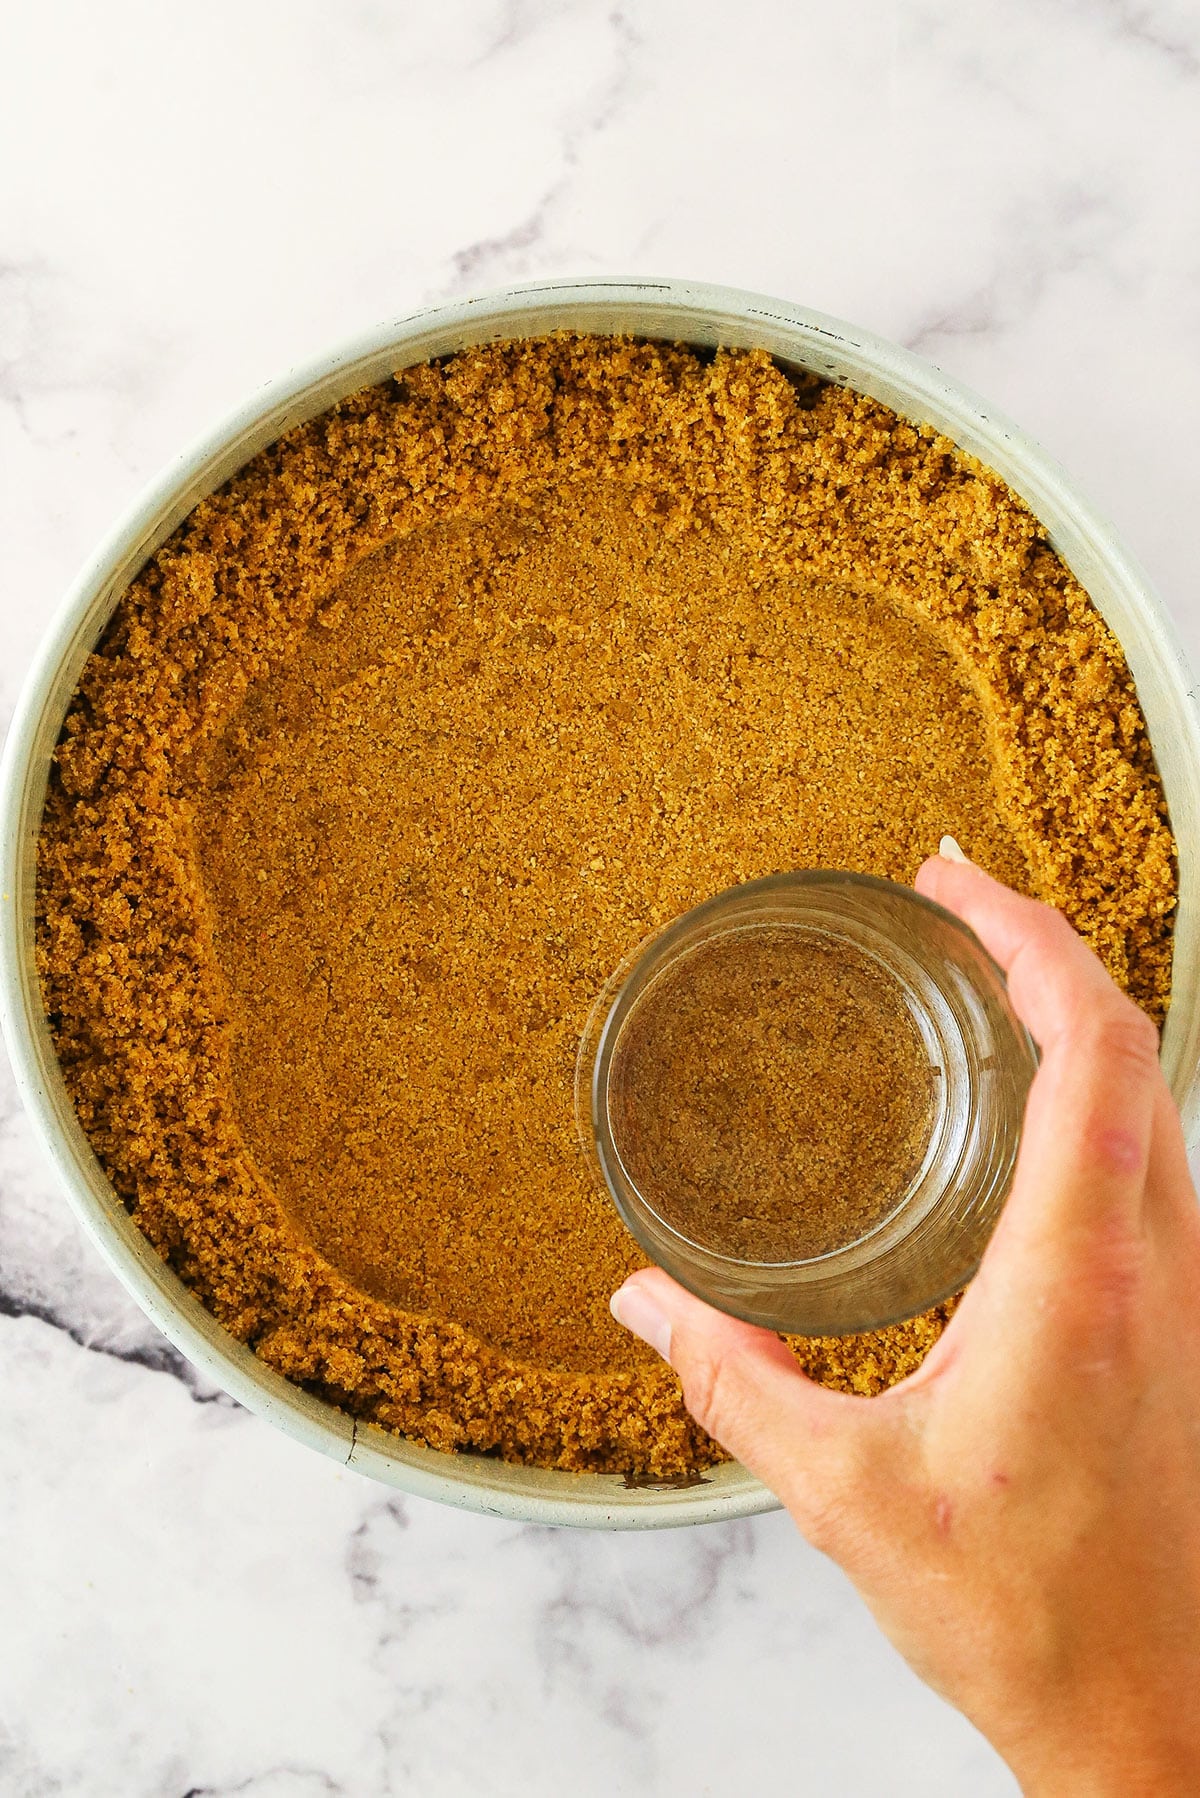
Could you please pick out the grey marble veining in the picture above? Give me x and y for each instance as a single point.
(193, 198)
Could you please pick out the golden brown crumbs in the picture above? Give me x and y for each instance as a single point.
(770, 1095)
(430, 714)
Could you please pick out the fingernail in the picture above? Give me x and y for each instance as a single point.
(949, 851)
(636, 1310)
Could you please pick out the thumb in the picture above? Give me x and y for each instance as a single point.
(743, 1386)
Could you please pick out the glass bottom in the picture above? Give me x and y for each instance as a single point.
(805, 1099)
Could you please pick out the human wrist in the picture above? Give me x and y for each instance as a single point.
(1107, 1753)
(1086, 1776)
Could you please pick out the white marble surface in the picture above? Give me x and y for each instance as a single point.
(194, 196)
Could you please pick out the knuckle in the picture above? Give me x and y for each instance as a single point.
(822, 1516)
(1118, 1034)
(834, 1505)
(1113, 1269)
(822, 1475)
(710, 1391)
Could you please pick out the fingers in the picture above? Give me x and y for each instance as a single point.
(1091, 1113)
(1052, 974)
(743, 1386)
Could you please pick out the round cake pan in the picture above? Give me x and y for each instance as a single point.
(674, 311)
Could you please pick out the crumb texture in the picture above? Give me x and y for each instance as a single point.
(770, 1094)
(433, 712)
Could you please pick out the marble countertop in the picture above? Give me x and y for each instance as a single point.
(195, 197)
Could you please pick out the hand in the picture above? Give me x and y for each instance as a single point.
(1022, 1515)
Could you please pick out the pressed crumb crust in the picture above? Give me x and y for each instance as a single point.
(770, 1094)
(428, 716)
